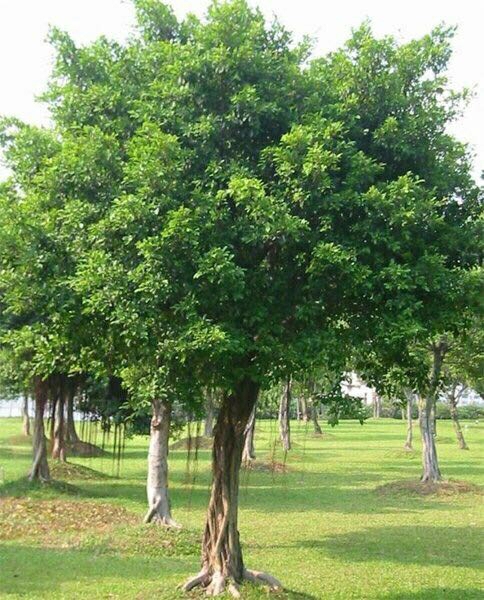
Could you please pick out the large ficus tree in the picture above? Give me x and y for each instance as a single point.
(236, 207)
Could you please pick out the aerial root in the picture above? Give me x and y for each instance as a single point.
(259, 577)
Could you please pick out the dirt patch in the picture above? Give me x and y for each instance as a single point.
(85, 449)
(67, 470)
(201, 442)
(266, 466)
(19, 440)
(46, 520)
(449, 487)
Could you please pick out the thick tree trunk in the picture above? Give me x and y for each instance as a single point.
(455, 421)
(25, 415)
(248, 454)
(59, 441)
(159, 510)
(284, 423)
(40, 467)
(71, 433)
(409, 441)
(222, 561)
(209, 415)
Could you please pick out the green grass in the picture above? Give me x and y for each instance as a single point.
(320, 526)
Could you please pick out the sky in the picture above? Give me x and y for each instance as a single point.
(26, 59)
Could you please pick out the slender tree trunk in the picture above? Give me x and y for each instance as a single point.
(59, 441)
(284, 423)
(71, 433)
(433, 419)
(249, 450)
(430, 463)
(303, 403)
(25, 415)
(409, 440)
(53, 407)
(222, 561)
(431, 471)
(40, 467)
(314, 418)
(455, 421)
(159, 509)
(209, 415)
(376, 406)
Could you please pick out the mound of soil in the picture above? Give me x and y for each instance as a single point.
(67, 470)
(266, 466)
(201, 442)
(44, 520)
(85, 450)
(449, 487)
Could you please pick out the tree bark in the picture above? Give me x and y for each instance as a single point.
(455, 420)
(159, 509)
(222, 561)
(25, 415)
(284, 423)
(59, 440)
(303, 403)
(248, 454)
(209, 415)
(40, 467)
(376, 406)
(409, 441)
(314, 418)
(71, 433)
(430, 463)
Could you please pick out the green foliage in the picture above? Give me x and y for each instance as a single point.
(213, 204)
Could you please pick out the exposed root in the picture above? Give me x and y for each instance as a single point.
(202, 578)
(217, 583)
(152, 516)
(263, 578)
(234, 590)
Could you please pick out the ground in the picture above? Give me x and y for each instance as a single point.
(327, 524)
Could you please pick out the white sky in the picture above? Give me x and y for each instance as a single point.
(25, 58)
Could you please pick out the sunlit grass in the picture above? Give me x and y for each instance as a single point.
(318, 525)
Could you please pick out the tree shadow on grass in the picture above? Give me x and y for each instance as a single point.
(445, 546)
(30, 570)
(436, 594)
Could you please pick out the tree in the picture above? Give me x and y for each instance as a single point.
(240, 207)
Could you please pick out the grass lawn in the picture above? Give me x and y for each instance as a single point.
(320, 526)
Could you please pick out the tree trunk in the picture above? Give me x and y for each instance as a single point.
(222, 561)
(431, 471)
(159, 509)
(314, 418)
(71, 433)
(40, 467)
(376, 406)
(209, 414)
(409, 440)
(25, 416)
(248, 454)
(284, 424)
(59, 441)
(455, 421)
(304, 409)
